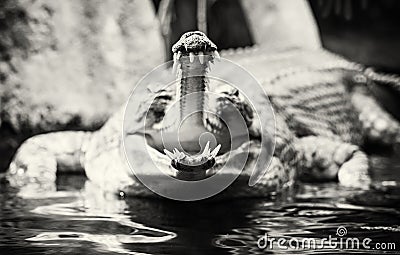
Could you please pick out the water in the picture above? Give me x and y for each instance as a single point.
(79, 219)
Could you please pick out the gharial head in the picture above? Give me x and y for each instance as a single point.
(192, 56)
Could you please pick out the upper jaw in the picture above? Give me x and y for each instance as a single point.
(194, 47)
(200, 60)
(193, 42)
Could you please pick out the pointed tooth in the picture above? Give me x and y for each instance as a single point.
(175, 56)
(201, 57)
(191, 57)
(177, 155)
(169, 154)
(174, 66)
(178, 55)
(217, 56)
(216, 150)
(179, 73)
(175, 150)
(206, 149)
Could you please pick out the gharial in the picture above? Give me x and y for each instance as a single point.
(323, 108)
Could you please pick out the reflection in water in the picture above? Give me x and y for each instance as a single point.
(111, 243)
(77, 218)
(93, 206)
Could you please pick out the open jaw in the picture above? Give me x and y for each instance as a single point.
(193, 54)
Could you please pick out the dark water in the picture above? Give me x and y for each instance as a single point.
(79, 219)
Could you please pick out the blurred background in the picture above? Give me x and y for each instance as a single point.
(67, 65)
(365, 31)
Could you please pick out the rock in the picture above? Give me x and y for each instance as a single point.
(282, 24)
(70, 64)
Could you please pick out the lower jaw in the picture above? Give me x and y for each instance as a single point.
(239, 188)
(164, 163)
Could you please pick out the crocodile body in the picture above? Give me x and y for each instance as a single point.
(324, 113)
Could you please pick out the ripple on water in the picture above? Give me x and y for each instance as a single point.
(106, 218)
(83, 221)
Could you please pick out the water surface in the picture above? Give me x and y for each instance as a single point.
(77, 218)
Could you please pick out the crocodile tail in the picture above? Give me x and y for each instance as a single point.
(386, 89)
(391, 80)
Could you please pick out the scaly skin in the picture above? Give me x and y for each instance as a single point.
(324, 112)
